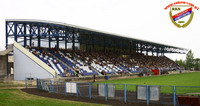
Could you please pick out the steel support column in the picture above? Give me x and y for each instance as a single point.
(136, 47)
(141, 48)
(48, 32)
(30, 31)
(66, 34)
(39, 43)
(147, 53)
(6, 34)
(57, 42)
(39, 37)
(114, 45)
(104, 44)
(157, 51)
(15, 31)
(93, 43)
(73, 41)
(49, 41)
(25, 42)
(131, 44)
(162, 52)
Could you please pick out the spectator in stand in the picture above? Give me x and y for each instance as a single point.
(32, 44)
(55, 61)
(117, 62)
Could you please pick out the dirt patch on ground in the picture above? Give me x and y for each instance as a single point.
(38, 92)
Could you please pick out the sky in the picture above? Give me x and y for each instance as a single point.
(142, 19)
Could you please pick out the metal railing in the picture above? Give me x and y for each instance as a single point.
(156, 94)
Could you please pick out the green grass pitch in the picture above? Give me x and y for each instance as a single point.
(184, 79)
(15, 97)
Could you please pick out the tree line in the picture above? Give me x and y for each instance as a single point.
(190, 63)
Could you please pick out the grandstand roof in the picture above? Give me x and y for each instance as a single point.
(85, 36)
(93, 30)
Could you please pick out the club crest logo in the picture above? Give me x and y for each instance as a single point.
(181, 13)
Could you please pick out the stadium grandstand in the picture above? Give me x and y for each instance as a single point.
(44, 49)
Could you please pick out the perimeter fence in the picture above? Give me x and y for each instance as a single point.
(155, 94)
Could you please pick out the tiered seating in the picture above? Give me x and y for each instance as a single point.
(51, 61)
(102, 68)
(95, 63)
(73, 62)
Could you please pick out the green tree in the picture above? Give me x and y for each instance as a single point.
(189, 60)
(180, 62)
(197, 63)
